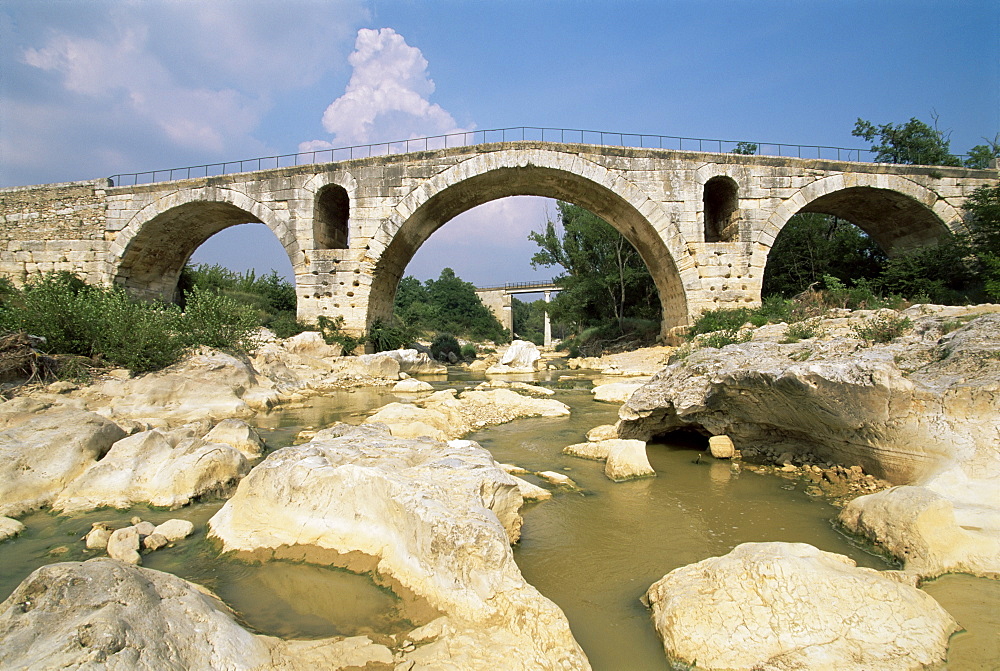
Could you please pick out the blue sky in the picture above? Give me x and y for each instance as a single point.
(90, 88)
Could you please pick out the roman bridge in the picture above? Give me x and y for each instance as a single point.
(703, 222)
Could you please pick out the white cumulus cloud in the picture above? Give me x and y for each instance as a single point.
(387, 97)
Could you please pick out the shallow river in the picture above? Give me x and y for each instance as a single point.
(594, 550)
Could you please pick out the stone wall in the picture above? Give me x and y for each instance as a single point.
(54, 227)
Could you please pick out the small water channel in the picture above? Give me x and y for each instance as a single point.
(593, 550)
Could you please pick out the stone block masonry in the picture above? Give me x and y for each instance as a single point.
(704, 223)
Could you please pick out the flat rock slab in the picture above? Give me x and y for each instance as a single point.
(783, 606)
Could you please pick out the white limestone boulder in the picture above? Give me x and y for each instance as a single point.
(415, 362)
(437, 519)
(238, 434)
(412, 386)
(106, 614)
(783, 606)
(207, 384)
(40, 456)
(925, 531)
(615, 392)
(603, 432)
(627, 460)
(162, 469)
(311, 344)
(445, 414)
(9, 528)
(520, 356)
(721, 447)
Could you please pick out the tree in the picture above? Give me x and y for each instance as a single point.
(913, 143)
(982, 155)
(746, 148)
(447, 304)
(605, 279)
(811, 246)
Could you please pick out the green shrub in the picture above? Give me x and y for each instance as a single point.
(443, 345)
(218, 321)
(285, 325)
(810, 328)
(719, 339)
(773, 309)
(332, 330)
(722, 319)
(469, 352)
(388, 336)
(882, 328)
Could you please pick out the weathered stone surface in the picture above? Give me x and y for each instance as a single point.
(106, 614)
(445, 414)
(9, 528)
(311, 344)
(922, 529)
(520, 357)
(437, 519)
(531, 492)
(596, 450)
(161, 469)
(207, 385)
(41, 455)
(123, 545)
(411, 386)
(415, 362)
(783, 606)
(603, 432)
(615, 392)
(97, 537)
(627, 460)
(174, 530)
(920, 410)
(557, 478)
(237, 433)
(721, 447)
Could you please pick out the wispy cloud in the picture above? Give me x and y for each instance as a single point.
(387, 97)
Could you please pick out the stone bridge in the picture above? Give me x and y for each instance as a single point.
(704, 223)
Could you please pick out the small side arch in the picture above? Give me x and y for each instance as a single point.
(721, 199)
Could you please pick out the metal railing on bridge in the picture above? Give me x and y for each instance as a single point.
(513, 134)
(523, 287)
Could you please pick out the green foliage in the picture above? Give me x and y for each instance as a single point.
(775, 309)
(333, 333)
(443, 345)
(982, 155)
(813, 245)
(219, 321)
(469, 352)
(272, 296)
(809, 328)
(604, 278)
(285, 325)
(722, 319)
(385, 336)
(747, 148)
(720, 339)
(882, 328)
(446, 304)
(913, 143)
(105, 325)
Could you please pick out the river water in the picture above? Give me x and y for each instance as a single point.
(594, 550)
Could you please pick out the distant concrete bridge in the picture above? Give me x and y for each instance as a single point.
(703, 222)
(498, 300)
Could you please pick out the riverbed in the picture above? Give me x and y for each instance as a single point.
(593, 549)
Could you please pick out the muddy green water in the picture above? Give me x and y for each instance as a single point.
(593, 550)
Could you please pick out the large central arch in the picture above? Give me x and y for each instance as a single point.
(157, 242)
(488, 177)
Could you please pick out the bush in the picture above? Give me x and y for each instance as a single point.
(332, 330)
(722, 319)
(719, 339)
(797, 331)
(388, 336)
(882, 328)
(214, 320)
(443, 345)
(285, 325)
(469, 352)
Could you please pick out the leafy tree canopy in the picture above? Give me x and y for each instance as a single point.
(447, 304)
(917, 143)
(604, 279)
